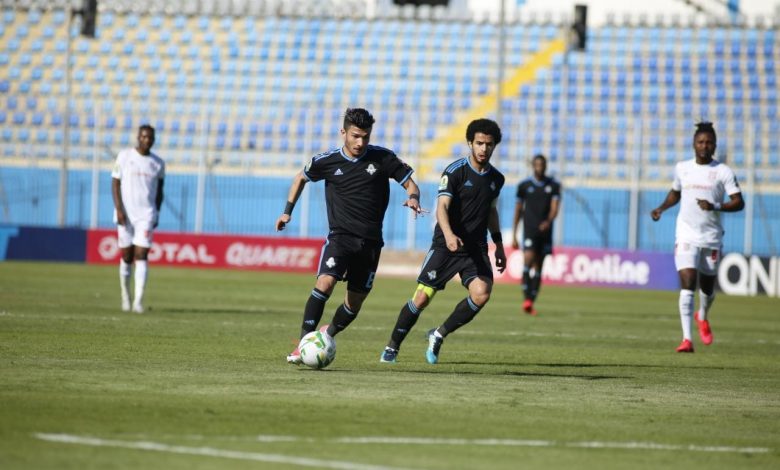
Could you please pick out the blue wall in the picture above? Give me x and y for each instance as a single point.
(250, 205)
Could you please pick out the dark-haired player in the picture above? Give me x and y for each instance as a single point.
(137, 189)
(700, 185)
(357, 193)
(538, 201)
(465, 212)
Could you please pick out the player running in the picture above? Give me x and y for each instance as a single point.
(538, 201)
(137, 189)
(357, 193)
(465, 211)
(700, 185)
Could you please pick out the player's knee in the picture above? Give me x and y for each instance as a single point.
(480, 298)
(423, 295)
(326, 284)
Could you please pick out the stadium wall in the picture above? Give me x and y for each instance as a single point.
(249, 205)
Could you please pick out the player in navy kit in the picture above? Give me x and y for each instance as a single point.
(465, 212)
(538, 201)
(357, 193)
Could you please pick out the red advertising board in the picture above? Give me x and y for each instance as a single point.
(215, 251)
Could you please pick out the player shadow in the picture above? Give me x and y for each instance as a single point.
(587, 365)
(518, 373)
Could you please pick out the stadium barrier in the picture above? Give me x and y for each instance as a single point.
(738, 274)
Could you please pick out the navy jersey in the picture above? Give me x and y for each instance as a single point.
(473, 194)
(357, 190)
(537, 197)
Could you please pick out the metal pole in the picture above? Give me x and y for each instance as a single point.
(62, 208)
(93, 212)
(633, 202)
(201, 188)
(501, 59)
(750, 191)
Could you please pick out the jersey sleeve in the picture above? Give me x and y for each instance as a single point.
(448, 184)
(398, 169)
(730, 183)
(314, 170)
(161, 176)
(116, 172)
(677, 184)
(556, 190)
(521, 192)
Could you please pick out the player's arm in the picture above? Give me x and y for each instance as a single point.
(116, 193)
(298, 182)
(443, 218)
(413, 197)
(494, 226)
(555, 204)
(519, 209)
(672, 198)
(158, 200)
(735, 204)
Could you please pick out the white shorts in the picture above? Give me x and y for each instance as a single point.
(139, 234)
(704, 260)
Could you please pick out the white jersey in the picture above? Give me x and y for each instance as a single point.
(710, 182)
(140, 177)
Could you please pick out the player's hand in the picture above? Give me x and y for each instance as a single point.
(453, 242)
(500, 258)
(544, 226)
(705, 205)
(414, 205)
(282, 222)
(515, 243)
(656, 214)
(121, 218)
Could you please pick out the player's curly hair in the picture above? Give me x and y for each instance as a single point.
(146, 127)
(539, 156)
(705, 126)
(485, 126)
(359, 118)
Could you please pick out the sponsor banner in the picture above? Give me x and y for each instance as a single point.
(41, 244)
(215, 251)
(749, 275)
(598, 268)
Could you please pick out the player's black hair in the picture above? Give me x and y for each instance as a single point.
(539, 156)
(485, 126)
(146, 127)
(359, 118)
(705, 126)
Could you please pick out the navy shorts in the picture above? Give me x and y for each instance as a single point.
(540, 244)
(352, 259)
(441, 265)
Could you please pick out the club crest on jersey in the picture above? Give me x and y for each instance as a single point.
(432, 275)
(492, 186)
(443, 183)
(331, 262)
(371, 169)
(713, 175)
(548, 189)
(338, 172)
(530, 189)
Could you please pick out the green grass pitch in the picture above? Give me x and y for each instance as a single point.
(200, 381)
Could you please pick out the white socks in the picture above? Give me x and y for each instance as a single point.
(140, 283)
(705, 302)
(124, 283)
(686, 312)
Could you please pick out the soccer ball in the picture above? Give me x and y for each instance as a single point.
(317, 349)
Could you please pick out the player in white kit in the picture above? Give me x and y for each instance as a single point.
(137, 188)
(700, 185)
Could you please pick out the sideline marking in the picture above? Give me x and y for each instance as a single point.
(209, 452)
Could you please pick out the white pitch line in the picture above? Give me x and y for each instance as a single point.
(209, 452)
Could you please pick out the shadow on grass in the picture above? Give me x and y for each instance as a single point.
(585, 366)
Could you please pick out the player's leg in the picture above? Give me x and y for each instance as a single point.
(435, 272)
(312, 311)
(477, 277)
(361, 269)
(142, 241)
(686, 261)
(543, 249)
(125, 243)
(708, 268)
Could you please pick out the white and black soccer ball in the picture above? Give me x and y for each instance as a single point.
(317, 349)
